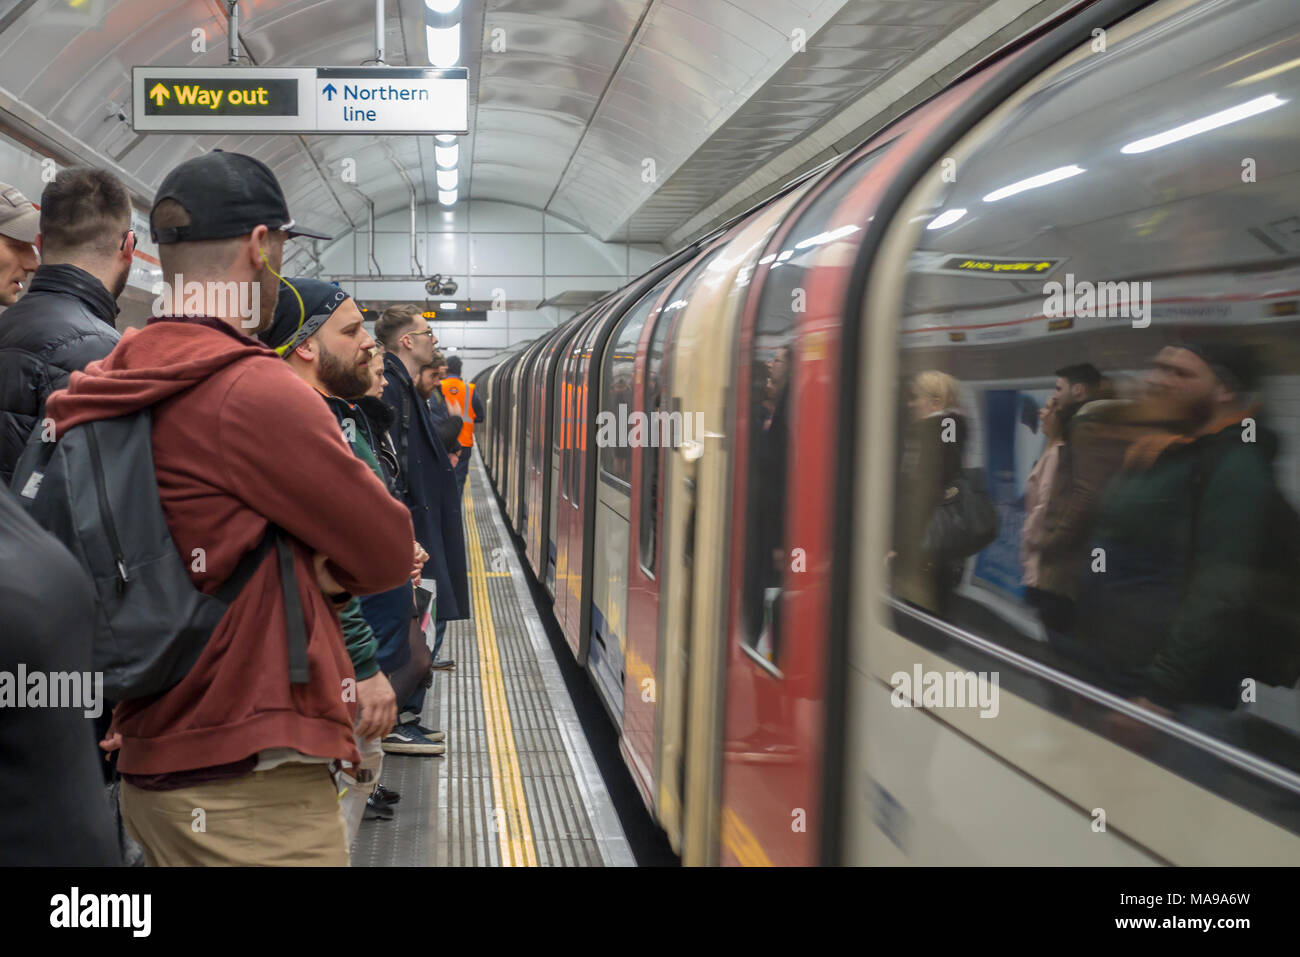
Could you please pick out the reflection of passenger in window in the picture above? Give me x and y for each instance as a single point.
(1183, 597)
(934, 441)
(1095, 429)
(766, 560)
(621, 453)
(1037, 488)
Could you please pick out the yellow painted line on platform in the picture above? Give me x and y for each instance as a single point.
(740, 840)
(514, 830)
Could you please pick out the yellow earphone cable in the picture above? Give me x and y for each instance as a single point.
(302, 308)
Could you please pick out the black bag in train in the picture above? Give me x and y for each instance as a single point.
(96, 491)
(964, 522)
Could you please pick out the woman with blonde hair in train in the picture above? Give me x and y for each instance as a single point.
(924, 571)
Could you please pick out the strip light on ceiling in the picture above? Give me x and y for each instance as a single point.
(447, 156)
(442, 46)
(1234, 114)
(1034, 182)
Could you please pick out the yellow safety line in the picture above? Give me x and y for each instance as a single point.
(740, 840)
(514, 830)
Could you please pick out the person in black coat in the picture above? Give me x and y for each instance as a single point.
(53, 807)
(66, 319)
(426, 477)
(934, 442)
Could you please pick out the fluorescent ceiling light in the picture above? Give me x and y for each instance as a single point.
(448, 179)
(827, 237)
(1205, 124)
(447, 156)
(442, 6)
(1042, 179)
(447, 305)
(443, 45)
(447, 197)
(946, 218)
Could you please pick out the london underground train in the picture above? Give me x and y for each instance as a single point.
(717, 471)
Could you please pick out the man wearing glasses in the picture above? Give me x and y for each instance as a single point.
(66, 317)
(427, 484)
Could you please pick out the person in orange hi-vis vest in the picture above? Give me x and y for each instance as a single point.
(462, 401)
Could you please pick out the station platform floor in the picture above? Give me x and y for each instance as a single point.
(518, 785)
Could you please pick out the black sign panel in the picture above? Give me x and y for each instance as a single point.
(220, 96)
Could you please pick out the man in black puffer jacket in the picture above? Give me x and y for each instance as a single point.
(66, 319)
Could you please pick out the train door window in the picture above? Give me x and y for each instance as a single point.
(771, 431)
(616, 386)
(566, 433)
(580, 420)
(1099, 390)
(558, 393)
(653, 401)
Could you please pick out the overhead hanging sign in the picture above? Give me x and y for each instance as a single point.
(300, 100)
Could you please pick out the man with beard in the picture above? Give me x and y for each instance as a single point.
(1187, 530)
(66, 319)
(319, 331)
(239, 445)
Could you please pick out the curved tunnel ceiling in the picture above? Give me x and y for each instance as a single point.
(570, 100)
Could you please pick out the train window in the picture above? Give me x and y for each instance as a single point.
(616, 387)
(770, 432)
(570, 411)
(1099, 388)
(582, 365)
(653, 402)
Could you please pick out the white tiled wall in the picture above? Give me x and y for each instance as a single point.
(485, 247)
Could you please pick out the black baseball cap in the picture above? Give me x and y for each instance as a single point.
(226, 195)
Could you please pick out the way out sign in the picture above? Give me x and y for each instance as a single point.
(300, 100)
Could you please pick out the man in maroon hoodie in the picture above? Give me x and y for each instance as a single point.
(232, 765)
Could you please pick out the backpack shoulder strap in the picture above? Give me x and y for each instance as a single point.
(243, 573)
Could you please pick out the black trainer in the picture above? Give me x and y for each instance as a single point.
(376, 811)
(385, 795)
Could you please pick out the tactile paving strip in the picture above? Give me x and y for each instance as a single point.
(451, 813)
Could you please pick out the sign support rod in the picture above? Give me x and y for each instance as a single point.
(232, 9)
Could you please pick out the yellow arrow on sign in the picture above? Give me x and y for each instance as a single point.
(158, 94)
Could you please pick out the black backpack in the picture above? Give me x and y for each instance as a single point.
(151, 623)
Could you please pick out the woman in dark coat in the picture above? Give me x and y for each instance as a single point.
(934, 441)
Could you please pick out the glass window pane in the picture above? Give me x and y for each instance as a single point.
(770, 429)
(1097, 352)
(654, 401)
(616, 389)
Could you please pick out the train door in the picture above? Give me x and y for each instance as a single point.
(609, 541)
(774, 726)
(541, 539)
(696, 517)
(646, 590)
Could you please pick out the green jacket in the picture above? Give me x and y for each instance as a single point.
(358, 636)
(1185, 541)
